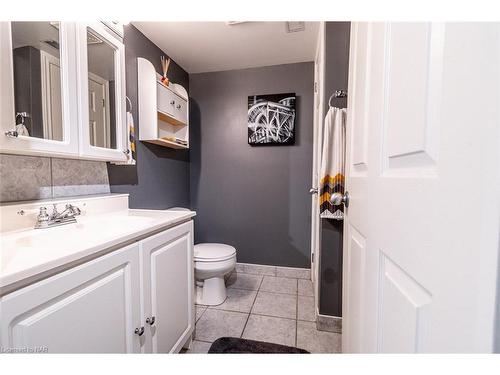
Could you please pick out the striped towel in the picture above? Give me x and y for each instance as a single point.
(332, 163)
(131, 138)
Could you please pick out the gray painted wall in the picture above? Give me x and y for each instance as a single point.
(160, 179)
(336, 77)
(253, 197)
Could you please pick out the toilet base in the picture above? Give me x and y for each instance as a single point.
(212, 292)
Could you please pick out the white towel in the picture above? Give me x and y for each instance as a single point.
(21, 129)
(332, 166)
(131, 156)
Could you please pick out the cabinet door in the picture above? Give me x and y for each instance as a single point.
(38, 106)
(101, 76)
(166, 100)
(168, 286)
(92, 308)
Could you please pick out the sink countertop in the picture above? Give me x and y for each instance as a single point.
(26, 253)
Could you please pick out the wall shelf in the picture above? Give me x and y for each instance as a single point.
(165, 117)
(163, 110)
(167, 143)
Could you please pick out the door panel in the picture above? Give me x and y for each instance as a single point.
(412, 101)
(168, 281)
(423, 177)
(356, 257)
(89, 309)
(404, 310)
(98, 113)
(359, 113)
(170, 293)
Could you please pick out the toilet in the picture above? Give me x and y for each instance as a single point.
(212, 261)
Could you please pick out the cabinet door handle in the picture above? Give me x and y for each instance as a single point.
(151, 320)
(178, 106)
(172, 102)
(139, 331)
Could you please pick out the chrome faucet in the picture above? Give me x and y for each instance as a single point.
(68, 216)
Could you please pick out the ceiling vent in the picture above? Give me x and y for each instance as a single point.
(293, 27)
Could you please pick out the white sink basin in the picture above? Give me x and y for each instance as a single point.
(27, 252)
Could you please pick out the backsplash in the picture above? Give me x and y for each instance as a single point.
(31, 177)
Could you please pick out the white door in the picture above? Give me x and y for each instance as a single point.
(168, 281)
(99, 121)
(422, 227)
(92, 308)
(51, 97)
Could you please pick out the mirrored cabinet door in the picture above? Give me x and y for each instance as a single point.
(38, 98)
(102, 93)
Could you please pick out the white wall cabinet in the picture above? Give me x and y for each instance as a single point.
(80, 50)
(163, 110)
(30, 145)
(106, 305)
(111, 53)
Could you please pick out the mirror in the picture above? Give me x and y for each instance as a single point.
(37, 79)
(102, 91)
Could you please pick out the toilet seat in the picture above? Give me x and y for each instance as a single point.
(213, 252)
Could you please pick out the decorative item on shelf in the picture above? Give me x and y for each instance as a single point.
(165, 63)
(176, 140)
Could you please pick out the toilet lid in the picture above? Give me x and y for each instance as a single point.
(213, 251)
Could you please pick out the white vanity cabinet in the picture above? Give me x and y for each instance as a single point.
(92, 308)
(168, 287)
(139, 298)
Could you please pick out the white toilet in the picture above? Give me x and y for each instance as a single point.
(212, 261)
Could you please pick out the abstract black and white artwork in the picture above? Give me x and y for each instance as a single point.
(271, 119)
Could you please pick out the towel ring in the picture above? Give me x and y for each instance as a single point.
(129, 103)
(337, 94)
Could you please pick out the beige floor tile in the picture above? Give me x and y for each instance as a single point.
(270, 329)
(219, 323)
(279, 285)
(238, 300)
(239, 280)
(200, 309)
(305, 309)
(199, 347)
(305, 288)
(273, 304)
(309, 338)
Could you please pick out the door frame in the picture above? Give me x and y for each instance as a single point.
(319, 89)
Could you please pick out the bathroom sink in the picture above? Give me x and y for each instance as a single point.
(27, 252)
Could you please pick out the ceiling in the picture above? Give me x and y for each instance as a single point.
(215, 46)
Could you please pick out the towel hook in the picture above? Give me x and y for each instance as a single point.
(337, 94)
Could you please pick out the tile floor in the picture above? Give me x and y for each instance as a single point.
(266, 308)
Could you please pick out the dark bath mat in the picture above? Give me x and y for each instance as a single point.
(235, 345)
